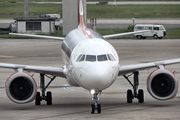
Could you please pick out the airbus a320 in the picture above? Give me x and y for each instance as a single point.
(91, 63)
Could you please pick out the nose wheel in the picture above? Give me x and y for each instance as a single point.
(95, 106)
(98, 108)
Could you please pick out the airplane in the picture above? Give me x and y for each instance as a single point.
(91, 63)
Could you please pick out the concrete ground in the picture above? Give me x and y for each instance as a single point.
(74, 103)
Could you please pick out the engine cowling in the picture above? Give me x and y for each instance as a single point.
(21, 88)
(162, 84)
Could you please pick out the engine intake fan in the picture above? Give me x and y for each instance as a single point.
(162, 84)
(21, 88)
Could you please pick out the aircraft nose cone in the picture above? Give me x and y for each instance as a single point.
(98, 77)
(97, 71)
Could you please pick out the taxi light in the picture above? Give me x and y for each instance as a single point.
(92, 92)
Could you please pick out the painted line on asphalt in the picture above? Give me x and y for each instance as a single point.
(4, 56)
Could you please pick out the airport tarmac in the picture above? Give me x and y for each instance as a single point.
(75, 103)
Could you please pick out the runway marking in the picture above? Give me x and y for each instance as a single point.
(125, 51)
(171, 48)
(4, 56)
(113, 92)
(177, 72)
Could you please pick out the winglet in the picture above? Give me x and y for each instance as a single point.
(81, 14)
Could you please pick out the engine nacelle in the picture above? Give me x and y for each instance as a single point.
(21, 88)
(162, 84)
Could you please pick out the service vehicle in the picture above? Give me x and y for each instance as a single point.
(156, 31)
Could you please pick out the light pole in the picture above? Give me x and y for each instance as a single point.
(115, 3)
(25, 8)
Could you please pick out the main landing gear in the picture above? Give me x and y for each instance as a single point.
(140, 94)
(48, 97)
(95, 106)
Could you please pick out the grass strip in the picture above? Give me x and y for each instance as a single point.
(133, 11)
(14, 10)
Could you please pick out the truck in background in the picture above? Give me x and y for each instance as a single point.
(11, 28)
(157, 31)
(57, 19)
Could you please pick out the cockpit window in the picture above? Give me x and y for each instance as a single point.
(102, 57)
(110, 57)
(82, 58)
(91, 58)
(79, 57)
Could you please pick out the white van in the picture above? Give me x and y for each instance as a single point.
(157, 31)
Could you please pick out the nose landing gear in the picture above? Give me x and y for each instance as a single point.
(95, 106)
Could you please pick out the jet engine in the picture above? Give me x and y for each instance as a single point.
(162, 84)
(21, 88)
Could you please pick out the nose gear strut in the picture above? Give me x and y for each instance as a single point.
(96, 106)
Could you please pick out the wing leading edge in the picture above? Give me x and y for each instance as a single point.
(38, 36)
(137, 67)
(55, 71)
(123, 34)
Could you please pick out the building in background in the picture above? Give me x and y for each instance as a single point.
(35, 25)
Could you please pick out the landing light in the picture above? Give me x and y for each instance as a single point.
(92, 92)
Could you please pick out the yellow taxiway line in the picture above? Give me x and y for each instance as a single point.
(4, 56)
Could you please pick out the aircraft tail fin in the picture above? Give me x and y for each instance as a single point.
(81, 14)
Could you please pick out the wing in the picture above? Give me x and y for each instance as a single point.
(123, 34)
(132, 68)
(55, 71)
(38, 36)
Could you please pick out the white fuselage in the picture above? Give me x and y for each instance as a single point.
(91, 62)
